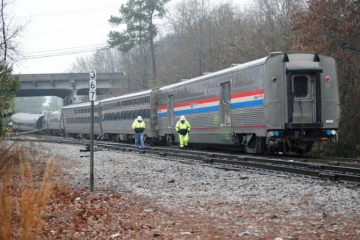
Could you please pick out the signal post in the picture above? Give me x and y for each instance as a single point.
(92, 98)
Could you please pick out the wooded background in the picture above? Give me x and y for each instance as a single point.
(163, 45)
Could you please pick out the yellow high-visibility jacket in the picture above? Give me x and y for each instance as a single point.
(139, 127)
(183, 128)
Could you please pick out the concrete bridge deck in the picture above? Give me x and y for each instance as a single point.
(67, 85)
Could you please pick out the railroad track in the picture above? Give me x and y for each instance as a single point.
(340, 170)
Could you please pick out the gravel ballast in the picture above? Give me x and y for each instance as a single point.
(249, 203)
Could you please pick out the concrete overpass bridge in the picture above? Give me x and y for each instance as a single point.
(67, 86)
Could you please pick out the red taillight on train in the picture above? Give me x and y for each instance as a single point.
(323, 139)
(327, 79)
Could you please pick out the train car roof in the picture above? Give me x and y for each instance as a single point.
(126, 96)
(78, 105)
(26, 116)
(56, 113)
(221, 72)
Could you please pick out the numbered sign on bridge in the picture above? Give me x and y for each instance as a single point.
(92, 86)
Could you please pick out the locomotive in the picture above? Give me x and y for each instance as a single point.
(281, 103)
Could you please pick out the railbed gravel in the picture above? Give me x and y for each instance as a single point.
(253, 200)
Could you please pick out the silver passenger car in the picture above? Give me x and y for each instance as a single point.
(76, 120)
(119, 113)
(278, 103)
(54, 123)
(26, 122)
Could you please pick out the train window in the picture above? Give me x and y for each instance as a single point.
(147, 113)
(141, 112)
(95, 109)
(113, 117)
(118, 104)
(88, 120)
(118, 116)
(300, 86)
(88, 110)
(148, 99)
(131, 115)
(96, 120)
(127, 103)
(137, 101)
(75, 111)
(142, 100)
(76, 120)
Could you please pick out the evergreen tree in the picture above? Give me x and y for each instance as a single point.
(8, 87)
(138, 15)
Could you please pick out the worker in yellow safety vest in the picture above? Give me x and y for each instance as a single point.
(183, 128)
(139, 127)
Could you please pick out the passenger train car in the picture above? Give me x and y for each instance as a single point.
(55, 123)
(76, 120)
(281, 103)
(119, 113)
(278, 103)
(26, 122)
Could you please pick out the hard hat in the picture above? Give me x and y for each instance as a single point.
(10, 123)
(182, 118)
(139, 118)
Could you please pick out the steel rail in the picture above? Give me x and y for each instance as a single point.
(322, 171)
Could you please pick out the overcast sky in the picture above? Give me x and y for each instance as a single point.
(65, 26)
(56, 27)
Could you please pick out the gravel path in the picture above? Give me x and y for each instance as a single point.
(252, 205)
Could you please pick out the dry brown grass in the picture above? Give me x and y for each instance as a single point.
(61, 187)
(23, 195)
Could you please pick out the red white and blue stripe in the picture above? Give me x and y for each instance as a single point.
(247, 99)
(244, 99)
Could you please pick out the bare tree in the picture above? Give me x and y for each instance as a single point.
(10, 32)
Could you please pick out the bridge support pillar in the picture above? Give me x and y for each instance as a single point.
(71, 98)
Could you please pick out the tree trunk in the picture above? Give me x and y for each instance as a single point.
(152, 50)
(4, 33)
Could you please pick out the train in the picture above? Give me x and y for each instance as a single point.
(284, 102)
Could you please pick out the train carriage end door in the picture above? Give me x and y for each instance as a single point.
(170, 112)
(225, 105)
(304, 98)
